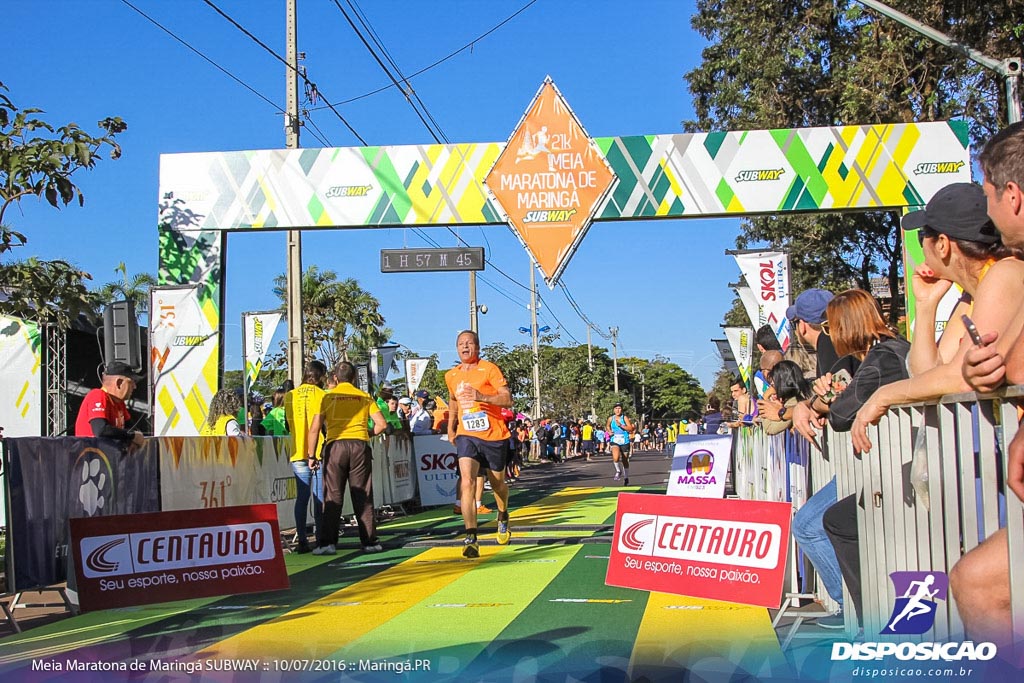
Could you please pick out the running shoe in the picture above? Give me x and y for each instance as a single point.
(625, 482)
(471, 548)
(375, 548)
(617, 477)
(832, 621)
(483, 509)
(325, 550)
(504, 533)
(457, 510)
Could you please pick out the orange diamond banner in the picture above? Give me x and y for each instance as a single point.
(550, 179)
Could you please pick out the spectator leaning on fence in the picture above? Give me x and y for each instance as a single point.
(962, 247)
(980, 581)
(859, 334)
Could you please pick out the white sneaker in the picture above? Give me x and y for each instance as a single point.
(375, 548)
(325, 550)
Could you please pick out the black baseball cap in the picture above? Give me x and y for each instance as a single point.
(119, 369)
(617, 405)
(959, 211)
(422, 393)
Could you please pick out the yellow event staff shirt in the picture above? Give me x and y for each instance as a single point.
(587, 432)
(301, 405)
(486, 378)
(346, 410)
(219, 429)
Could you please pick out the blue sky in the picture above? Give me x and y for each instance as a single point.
(619, 65)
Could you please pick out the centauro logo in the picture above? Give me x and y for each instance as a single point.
(557, 216)
(630, 537)
(760, 175)
(934, 167)
(349, 191)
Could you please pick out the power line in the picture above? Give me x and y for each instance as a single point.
(465, 47)
(284, 61)
(208, 59)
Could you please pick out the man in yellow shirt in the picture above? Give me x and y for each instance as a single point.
(301, 405)
(478, 392)
(344, 411)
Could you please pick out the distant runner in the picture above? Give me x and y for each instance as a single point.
(620, 427)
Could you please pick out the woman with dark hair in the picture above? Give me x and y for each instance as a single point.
(790, 386)
(859, 334)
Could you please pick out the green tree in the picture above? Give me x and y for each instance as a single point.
(134, 288)
(39, 160)
(830, 62)
(341, 320)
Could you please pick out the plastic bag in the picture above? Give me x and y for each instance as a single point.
(919, 470)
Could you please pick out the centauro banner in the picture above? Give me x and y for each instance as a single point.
(732, 550)
(183, 359)
(258, 329)
(767, 273)
(741, 341)
(141, 559)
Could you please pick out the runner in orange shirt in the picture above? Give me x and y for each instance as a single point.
(478, 391)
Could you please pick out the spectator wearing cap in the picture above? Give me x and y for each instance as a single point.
(405, 405)
(103, 413)
(421, 420)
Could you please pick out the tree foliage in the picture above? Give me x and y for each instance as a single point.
(134, 288)
(37, 159)
(341, 321)
(832, 62)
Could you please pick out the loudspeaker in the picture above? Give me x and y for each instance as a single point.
(121, 338)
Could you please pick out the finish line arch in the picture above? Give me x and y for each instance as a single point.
(725, 174)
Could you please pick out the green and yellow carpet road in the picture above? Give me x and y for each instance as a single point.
(537, 609)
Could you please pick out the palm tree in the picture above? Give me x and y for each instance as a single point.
(340, 318)
(134, 288)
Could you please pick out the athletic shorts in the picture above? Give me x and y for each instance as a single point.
(623, 448)
(588, 446)
(492, 455)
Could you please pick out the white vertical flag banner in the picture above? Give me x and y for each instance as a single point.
(726, 353)
(741, 341)
(258, 329)
(414, 369)
(382, 359)
(750, 305)
(182, 343)
(767, 273)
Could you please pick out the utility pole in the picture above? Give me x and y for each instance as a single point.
(291, 132)
(615, 356)
(536, 345)
(590, 365)
(472, 300)
(1009, 69)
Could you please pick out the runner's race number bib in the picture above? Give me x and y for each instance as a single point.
(475, 422)
(620, 439)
